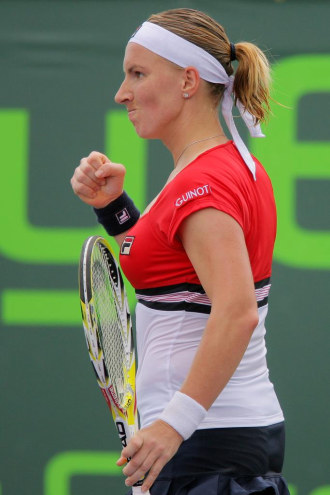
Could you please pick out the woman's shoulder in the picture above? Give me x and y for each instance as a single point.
(219, 169)
(222, 164)
(226, 166)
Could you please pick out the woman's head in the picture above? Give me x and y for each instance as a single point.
(196, 43)
(252, 77)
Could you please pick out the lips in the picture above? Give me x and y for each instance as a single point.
(131, 113)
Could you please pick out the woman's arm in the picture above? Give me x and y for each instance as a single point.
(215, 244)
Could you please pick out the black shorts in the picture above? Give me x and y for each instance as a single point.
(226, 461)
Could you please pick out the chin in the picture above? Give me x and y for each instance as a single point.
(147, 134)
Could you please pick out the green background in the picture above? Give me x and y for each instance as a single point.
(61, 64)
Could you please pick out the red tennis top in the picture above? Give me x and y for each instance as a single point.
(152, 254)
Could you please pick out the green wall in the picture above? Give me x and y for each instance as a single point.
(61, 63)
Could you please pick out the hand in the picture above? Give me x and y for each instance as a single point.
(97, 181)
(150, 449)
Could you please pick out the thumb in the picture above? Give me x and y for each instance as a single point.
(110, 169)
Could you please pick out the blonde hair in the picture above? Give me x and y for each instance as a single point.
(252, 77)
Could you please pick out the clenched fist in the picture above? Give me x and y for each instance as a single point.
(97, 181)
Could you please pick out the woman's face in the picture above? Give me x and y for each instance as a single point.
(151, 91)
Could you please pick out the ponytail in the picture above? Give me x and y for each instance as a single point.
(252, 80)
(252, 77)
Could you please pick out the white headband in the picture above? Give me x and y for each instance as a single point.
(185, 54)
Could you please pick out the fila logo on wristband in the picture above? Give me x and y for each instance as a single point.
(192, 194)
(122, 216)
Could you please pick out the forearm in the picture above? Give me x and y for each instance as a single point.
(220, 351)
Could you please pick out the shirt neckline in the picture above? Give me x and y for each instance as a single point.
(209, 150)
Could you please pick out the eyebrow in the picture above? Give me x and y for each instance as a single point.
(134, 67)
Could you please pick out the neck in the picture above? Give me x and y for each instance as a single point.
(197, 120)
(197, 129)
(196, 146)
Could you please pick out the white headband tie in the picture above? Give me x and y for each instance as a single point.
(185, 54)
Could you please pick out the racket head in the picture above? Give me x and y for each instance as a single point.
(108, 330)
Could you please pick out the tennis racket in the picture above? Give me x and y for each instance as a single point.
(108, 331)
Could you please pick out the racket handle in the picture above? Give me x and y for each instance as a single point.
(136, 490)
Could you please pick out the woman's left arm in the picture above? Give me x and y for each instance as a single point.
(215, 244)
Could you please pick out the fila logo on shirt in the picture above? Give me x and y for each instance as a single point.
(192, 194)
(127, 244)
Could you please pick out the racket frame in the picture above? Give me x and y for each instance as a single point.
(124, 415)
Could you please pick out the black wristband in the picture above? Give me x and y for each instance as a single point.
(118, 216)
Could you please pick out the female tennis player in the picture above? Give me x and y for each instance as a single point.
(200, 260)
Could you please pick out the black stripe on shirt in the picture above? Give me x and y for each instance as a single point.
(190, 297)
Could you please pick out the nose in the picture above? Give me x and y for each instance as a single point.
(123, 94)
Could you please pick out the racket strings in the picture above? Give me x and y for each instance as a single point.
(109, 317)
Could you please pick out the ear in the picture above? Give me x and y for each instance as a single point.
(190, 81)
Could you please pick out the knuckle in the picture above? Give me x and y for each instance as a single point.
(145, 466)
(137, 441)
(74, 186)
(134, 442)
(133, 465)
(165, 457)
(77, 190)
(83, 167)
(80, 189)
(78, 172)
(152, 475)
(94, 155)
(77, 185)
(158, 450)
(153, 443)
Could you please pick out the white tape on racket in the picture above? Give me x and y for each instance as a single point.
(137, 490)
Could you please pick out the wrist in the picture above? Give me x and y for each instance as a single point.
(119, 215)
(184, 414)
